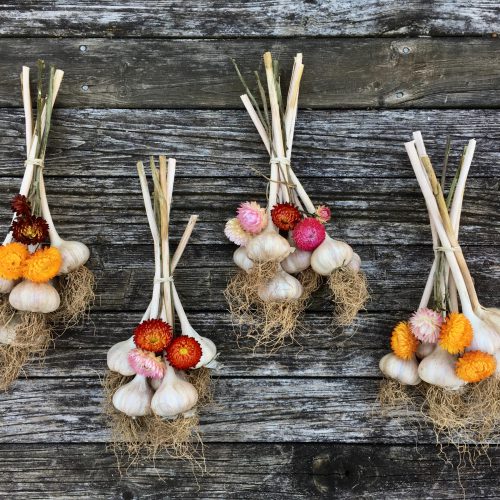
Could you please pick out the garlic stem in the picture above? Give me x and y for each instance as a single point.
(184, 241)
(155, 302)
(55, 239)
(181, 313)
(292, 103)
(28, 113)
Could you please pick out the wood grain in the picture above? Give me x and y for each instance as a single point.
(246, 471)
(355, 73)
(241, 18)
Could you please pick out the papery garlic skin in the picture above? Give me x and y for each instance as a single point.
(134, 398)
(240, 258)
(355, 262)
(424, 349)
(281, 287)
(34, 297)
(74, 254)
(269, 246)
(174, 396)
(491, 316)
(6, 285)
(297, 261)
(439, 369)
(118, 357)
(484, 338)
(404, 371)
(330, 255)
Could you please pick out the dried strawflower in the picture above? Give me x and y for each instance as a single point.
(475, 366)
(20, 205)
(42, 265)
(153, 335)
(456, 333)
(30, 230)
(252, 217)
(146, 363)
(235, 233)
(184, 352)
(309, 234)
(323, 213)
(12, 257)
(285, 216)
(403, 342)
(426, 324)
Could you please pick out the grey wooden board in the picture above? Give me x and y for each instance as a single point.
(340, 73)
(237, 18)
(242, 471)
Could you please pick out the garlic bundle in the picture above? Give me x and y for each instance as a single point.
(134, 398)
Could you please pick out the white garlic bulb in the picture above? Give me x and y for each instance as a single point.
(405, 371)
(281, 287)
(355, 262)
(439, 369)
(155, 383)
(134, 398)
(8, 331)
(74, 254)
(297, 261)
(241, 259)
(175, 395)
(6, 285)
(330, 255)
(118, 357)
(424, 349)
(485, 338)
(268, 246)
(34, 297)
(491, 316)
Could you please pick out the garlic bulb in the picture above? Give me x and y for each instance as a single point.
(268, 246)
(281, 287)
(355, 262)
(174, 395)
(297, 261)
(74, 254)
(134, 398)
(118, 357)
(425, 349)
(491, 315)
(405, 371)
(6, 285)
(34, 297)
(241, 259)
(439, 369)
(8, 331)
(485, 338)
(330, 255)
(155, 383)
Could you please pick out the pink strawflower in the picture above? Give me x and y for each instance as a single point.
(309, 234)
(426, 324)
(146, 363)
(236, 233)
(252, 217)
(323, 213)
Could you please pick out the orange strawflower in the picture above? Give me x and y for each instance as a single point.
(456, 333)
(12, 257)
(475, 366)
(403, 342)
(42, 265)
(153, 335)
(184, 352)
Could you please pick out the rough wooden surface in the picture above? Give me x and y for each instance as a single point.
(303, 423)
(341, 72)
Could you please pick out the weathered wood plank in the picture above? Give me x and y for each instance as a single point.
(245, 410)
(247, 471)
(355, 73)
(238, 18)
(224, 143)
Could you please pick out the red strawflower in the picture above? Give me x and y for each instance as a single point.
(153, 335)
(20, 205)
(285, 216)
(30, 230)
(309, 234)
(184, 352)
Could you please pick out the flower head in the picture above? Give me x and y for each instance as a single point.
(42, 265)
(30, 230)
(184, 352)
(475, 366)
(426, 325)
(308, 234)
(252, 217)
(403, 342)
(285, 216)
(235, 233)
(153, 335)
(20, 205)
(146, 363)
(323, 213)
(12, 257)
(456, 333)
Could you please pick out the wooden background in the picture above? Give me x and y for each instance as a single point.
(154, 77)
